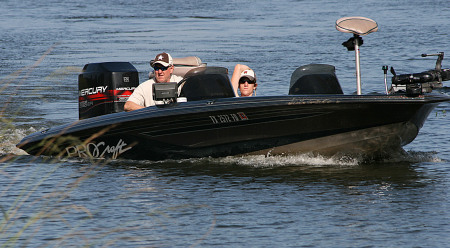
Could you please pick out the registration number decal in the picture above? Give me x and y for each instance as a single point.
(228, 118)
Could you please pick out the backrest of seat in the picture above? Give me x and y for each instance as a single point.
(183, 65)
(206, 83)
(314, 79)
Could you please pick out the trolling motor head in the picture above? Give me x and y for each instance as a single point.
(424, 82)
(357, 26)
(440, 56)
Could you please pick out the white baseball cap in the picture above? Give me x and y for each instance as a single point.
(249, 74)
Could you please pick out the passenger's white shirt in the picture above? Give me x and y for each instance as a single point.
(143, 94)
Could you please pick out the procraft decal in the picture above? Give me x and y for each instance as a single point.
(97, 150)
(227, 118)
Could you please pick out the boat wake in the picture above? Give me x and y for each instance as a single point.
(9, 138)
(444, 90)
(308, 160)
(291, 160)
(413, 157)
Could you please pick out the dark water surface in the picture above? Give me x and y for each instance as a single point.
(296, 201)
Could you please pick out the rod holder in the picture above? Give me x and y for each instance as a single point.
(385, 69)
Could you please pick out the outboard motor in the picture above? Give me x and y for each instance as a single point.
(315, 79)
(105, 87)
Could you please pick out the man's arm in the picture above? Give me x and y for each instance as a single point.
(129, 106)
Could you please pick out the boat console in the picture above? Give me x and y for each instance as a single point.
(165, 93)
(201, 83)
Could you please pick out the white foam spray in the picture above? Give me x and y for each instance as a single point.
(9, 138)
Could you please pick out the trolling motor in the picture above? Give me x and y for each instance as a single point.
(358, 26)
(424, 82)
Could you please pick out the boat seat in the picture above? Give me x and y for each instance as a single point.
(183, 65)
(356, 25)
(314, 79)
(206, 83)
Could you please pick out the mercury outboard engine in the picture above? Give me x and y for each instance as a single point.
(105, 87)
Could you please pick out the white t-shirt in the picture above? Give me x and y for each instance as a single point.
(143, 94)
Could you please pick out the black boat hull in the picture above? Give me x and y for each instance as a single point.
(282, 125)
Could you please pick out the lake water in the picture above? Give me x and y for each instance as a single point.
(296, 201)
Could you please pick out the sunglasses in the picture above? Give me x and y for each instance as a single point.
(162, 68)
(244, 80)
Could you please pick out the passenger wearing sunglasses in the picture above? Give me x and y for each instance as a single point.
(143, 94)
(244, 79)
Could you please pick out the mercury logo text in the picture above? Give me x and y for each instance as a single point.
(92, 91)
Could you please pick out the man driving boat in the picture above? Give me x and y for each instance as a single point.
(143, 95)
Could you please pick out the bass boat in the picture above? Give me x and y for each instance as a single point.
(205, 118)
